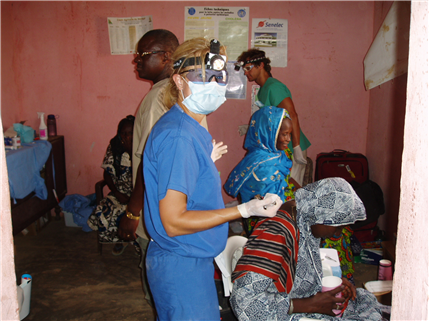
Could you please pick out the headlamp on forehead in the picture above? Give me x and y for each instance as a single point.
(240, 64)
(213, 60)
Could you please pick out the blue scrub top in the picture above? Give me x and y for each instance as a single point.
(177, 157)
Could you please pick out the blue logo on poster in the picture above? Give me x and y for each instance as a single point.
(191, 11)
(241, 13)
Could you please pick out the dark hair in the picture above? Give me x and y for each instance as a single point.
(257, 56)
(166, 38)
(116, 143)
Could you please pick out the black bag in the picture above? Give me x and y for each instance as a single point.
(372, 198)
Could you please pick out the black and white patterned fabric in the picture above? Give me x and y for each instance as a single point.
(330, 202)
(255, 297)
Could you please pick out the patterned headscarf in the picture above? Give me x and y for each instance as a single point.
(333, 202)
(263, 158)
(330, 201)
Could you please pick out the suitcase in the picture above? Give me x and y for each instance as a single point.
(367, 233)
(341, 163)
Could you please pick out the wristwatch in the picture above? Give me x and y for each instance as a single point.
(132, 217)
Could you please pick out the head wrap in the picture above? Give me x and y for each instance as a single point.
(330, 201)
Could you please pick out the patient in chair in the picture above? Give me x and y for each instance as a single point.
(267, 164)
(118, 176)
(279, 276)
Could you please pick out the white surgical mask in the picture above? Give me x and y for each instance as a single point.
(205, 98)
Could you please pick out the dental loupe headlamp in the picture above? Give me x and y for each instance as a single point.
(240, 64)
(213, 60)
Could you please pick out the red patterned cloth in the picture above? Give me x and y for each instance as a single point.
(279, 239)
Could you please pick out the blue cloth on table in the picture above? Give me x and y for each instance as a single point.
(24, 166)
(81, 207)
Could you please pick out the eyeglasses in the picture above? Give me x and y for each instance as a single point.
(148, 53)
(196, 76)
(247, 68)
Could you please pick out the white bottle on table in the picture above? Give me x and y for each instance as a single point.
(43, 129)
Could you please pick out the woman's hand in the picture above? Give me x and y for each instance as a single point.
(325, 302)
(122, 198)
(349, 291)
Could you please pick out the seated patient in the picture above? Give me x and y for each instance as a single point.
(266, 284)
(266, 166)
(118, 176)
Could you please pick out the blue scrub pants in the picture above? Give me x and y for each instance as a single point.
(183, 288)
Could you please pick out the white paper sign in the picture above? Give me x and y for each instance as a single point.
(270, 35)
(230, 25)
(124, 33)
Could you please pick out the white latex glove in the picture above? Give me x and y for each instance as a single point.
(266, 207)
(297, 155)
(218, 150)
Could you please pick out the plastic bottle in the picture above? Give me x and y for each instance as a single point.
(26, 282)
(43, 132)
(52, 126)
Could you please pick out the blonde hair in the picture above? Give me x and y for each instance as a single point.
(192, 48)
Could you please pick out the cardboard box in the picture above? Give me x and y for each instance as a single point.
(68, 218)
(372, 253)
(371, 256)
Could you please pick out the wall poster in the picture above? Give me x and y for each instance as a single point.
(125, 33)
(231, 26)
(270, 35)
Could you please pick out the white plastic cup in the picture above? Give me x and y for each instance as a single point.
(329, 283)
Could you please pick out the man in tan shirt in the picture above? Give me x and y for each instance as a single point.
(152, 63)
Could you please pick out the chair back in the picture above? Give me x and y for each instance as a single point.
(227, 260)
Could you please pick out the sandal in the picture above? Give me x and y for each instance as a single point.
(119, 248)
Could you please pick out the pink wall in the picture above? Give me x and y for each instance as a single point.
(56, 59)
(410, 283)
(385, 135)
